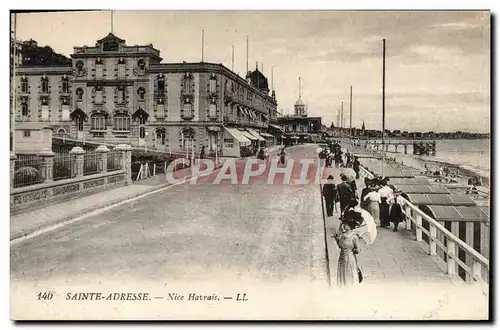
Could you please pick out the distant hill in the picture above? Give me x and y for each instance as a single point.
(35, 55)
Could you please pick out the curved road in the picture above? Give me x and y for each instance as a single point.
(191, 232)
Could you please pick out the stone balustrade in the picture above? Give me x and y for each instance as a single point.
(78, 183)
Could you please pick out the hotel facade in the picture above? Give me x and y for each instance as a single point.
(114, 93)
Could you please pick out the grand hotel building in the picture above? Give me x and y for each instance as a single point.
(114, 93)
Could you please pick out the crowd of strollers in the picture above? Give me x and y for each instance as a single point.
(378, 200)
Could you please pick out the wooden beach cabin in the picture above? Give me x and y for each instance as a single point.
(462, 217)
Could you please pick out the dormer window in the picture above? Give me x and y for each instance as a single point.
(142, 93)
(110, 46)
(45, 84)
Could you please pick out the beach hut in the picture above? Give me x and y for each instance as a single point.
(439, 199)
(409, 181)
(470, 224)
(422, 189)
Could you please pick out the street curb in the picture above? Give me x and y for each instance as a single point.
(81, 213)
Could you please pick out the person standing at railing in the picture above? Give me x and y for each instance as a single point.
(396, 210)
(386, 198)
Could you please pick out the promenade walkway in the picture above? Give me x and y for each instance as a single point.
(397, 265)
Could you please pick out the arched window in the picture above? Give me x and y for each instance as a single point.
(24, 85)
(294, 127)
(121, 123)
(98, 123)
(142, 132)
(45, 84)
(65, 85)
(61, 131)
(141, 92)
(79, 94)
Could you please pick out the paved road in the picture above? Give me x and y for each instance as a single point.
(260, 231)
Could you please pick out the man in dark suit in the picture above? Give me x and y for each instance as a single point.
(330, 195)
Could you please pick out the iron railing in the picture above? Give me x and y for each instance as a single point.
(114, 161)
(27, 170)
(90, 164)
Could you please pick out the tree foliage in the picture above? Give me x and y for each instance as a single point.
(35, 55)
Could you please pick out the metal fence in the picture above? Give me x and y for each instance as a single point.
(114, 161)
(63, 164)
(90, 164)
(27, 170)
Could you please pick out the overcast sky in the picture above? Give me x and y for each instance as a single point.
(437, 64)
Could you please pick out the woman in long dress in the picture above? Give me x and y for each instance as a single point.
(373, 201)
(347, 269)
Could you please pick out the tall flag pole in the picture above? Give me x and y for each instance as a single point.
(350, 111)
(232, 60)
(247, 58)
(112, 21)
(300, 91)
(383, 106)
(202, 44)
(342, 115)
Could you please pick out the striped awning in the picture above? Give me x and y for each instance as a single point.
(238, 136)
(256, 134)
(249, 136)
